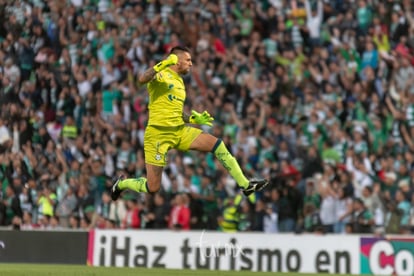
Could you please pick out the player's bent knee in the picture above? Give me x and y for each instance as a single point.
(153, 188)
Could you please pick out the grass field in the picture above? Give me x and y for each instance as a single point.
(70, 270)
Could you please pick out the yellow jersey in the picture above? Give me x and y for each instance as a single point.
(166, 99)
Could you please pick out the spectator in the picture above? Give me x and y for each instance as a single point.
(46, 202)
(259, 216)
(5, 136)
(11, 71)
(364, 16)
(245, 216)
(69, 129)
(371, 200)
(314, 21)
(158, 215)
(290, 203)
(85, 199)
(66, 206)
(361, 218)
(43, 222)
(270, 222)
(74, 222)
(26, 201)
(343, 210)
(312, 163)
(105, 205)
(132, 219)
(311, 218)
(117, 211)
(229, 218)
(180, 214)
(404, 206)
(54, 224)
(27, 222)
(327, 209)
(207, 198)
(10, 207)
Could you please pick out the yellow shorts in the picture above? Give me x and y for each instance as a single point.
(158, 140)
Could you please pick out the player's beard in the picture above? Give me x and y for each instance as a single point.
(185, 71)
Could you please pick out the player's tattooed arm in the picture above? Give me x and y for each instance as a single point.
(147, 76)
(186, 117)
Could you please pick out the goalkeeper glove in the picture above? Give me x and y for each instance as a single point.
(201, 118)
(170, 60)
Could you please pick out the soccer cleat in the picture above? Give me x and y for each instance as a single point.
(255, 185)
(115, 191)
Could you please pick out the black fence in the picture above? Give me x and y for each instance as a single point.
(57, 247)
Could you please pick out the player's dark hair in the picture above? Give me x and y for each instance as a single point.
(179, 49)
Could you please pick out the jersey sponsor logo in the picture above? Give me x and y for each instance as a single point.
(172, 97)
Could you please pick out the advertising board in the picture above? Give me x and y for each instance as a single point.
(224, 251)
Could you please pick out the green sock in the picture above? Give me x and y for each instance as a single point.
(230, 163)
(136, 184)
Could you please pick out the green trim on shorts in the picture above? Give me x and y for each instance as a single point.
(168, 128)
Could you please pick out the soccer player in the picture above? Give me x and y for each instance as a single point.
(167, 128)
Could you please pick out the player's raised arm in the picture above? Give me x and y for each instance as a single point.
(149, 74)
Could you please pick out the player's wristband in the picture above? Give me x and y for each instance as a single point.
(170, 60)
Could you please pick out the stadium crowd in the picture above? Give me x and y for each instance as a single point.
(317, 96)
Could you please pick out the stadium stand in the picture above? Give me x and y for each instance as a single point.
(317, 96)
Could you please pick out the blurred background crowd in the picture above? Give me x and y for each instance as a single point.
(317, 96)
